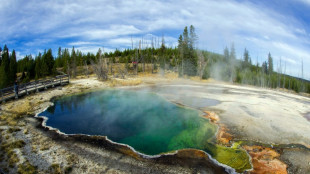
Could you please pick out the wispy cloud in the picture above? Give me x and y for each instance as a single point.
(89, 25)
(307, 2)
(78, 43)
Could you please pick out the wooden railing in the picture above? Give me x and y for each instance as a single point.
(26, 88)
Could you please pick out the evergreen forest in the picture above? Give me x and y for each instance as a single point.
(153, 56)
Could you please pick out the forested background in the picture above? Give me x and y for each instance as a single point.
(151, 56)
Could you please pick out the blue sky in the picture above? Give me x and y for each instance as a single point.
(280, 27)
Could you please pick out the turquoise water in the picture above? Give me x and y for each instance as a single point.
(145, 121)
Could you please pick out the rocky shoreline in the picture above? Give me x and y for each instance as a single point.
(28, 146)
(42, 150)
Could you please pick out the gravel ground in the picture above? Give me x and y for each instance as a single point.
(252, 114)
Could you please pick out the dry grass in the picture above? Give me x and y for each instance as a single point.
(68, 169)
(12, 120)
(14, 112)
(55, 169)
(195, 78)
(26, 131)
(44, 147)
(13, 129)
(171, 75)
(8, 120)
(26, 168)
(34, 148)
(19, 108)
(12, 145)
(13, 159)
(71, 159)
(146, 74)
(40, 143)
(124, 82)
(8, 148)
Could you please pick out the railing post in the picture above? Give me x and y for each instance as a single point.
(52, 81)
(2, 98)
(35, 83)
(26, 90)
(44, 85)
(16, 93)
(60, 81)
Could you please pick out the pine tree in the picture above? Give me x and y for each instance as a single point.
(38, 65)
(246, 59)
(13, 68)
(4, 69)
(59, 59)
(162, 54)
(270, 64)
(193, 56)
(66, 60)
(44, 65)
(189, 57)
(185, 44)
(0, 55)
(226, 53)
(246, 56)
(232, 54)
(50, 61)
(193, 37)
(181, 54)
(73, 62)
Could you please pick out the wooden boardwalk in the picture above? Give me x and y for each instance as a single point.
(36, 86)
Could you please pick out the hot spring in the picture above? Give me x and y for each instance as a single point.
(145, 121)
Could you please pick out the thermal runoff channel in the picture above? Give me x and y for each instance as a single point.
(144, 121)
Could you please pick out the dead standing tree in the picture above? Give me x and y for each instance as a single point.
(119, 70)
(73, 62)
(86, 68)
(136, 62)
(122, 71)
(152, 56)
(100, 67)
(202, 63)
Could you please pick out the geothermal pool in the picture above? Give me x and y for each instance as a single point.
(145, 121)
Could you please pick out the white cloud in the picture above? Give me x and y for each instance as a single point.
(95, 23)
(79, 43)
(36, 42)
(284, 47)
(146, 41)
(19, 55)
(93, 49)
(289, 60)
(307, 2)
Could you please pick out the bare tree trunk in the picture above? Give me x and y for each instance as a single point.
(74, 67)
(100, 69)
(131, 43)
(136, 62)
(68, 69)
(284, 75)
(122, 71)
(202, 64)
(111, 66)
(86, 68)
(142, 56)
(152, 56)
(182, 66)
